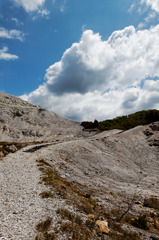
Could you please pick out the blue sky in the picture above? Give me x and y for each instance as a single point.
(82, 59)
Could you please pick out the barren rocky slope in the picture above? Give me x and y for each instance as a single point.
(21, 121)
(63, 187)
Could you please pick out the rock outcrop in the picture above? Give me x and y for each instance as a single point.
(21, 121)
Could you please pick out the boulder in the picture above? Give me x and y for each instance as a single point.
(12, 148)
(103, 225)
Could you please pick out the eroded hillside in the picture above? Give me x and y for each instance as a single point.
(77, 185)
(21, 121)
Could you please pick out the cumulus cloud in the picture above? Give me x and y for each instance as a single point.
(7, 56)
(102, 79)
(126, 58)
(95, 105)
(30, 5)
(11, 34)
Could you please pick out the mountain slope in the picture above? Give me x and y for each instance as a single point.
(21, 121)
(59, 189)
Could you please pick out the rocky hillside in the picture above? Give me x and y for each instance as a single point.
(66, 184)
(21, 121)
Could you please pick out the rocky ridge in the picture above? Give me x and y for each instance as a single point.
(21, 121)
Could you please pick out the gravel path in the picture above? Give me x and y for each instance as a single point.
(21, 207)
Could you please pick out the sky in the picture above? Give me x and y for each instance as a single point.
(83, 59)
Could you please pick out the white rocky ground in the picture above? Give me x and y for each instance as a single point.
(112, 166)
(21, 121)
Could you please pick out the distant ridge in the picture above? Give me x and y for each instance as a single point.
(125, 122)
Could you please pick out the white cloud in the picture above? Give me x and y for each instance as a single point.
(17, 22)
(154, 4)
(7, 56)
(95, 105)
(11, 34)
(30, 5)
(43, 12)
(131, 7)
(148, 7)
(92, 64)
(101, 79)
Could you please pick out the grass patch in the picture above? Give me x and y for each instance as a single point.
(45, 236)
(43, 228)
(74, 226)
(67, 190)
(84, 203)
(42, 162)
(47, 194)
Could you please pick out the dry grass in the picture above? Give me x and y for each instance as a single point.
(73, 226)
(84, 203)
(67, 189)
(47, 194)
(43, 228)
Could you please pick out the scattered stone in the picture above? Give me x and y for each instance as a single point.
(148, 133)
(12, 148)
(15, 212)
(103, 225)
(5, 128)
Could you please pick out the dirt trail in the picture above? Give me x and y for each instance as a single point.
(21, 207)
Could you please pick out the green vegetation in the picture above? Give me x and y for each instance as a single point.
(125, 122)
